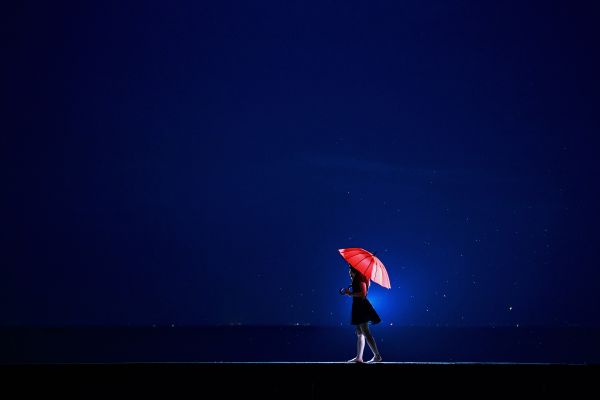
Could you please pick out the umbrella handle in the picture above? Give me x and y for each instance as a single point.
(342, 290)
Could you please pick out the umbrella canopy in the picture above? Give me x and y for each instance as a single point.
(367, 264)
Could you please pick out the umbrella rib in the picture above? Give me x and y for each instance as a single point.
(358, 251)
(372, 260)
(357, 254)
(361, 260)
(370, 264)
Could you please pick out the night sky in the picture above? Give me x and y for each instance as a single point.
(201, 162)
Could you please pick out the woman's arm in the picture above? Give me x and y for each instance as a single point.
(362, 293)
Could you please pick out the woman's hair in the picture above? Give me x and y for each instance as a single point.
(359, 275)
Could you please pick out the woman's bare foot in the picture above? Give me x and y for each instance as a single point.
(375, 359)
(356, 360)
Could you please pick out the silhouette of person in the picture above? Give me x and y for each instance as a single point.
(363, 314)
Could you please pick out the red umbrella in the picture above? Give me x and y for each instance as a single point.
(367, 264)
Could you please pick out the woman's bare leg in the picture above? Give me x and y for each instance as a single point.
(371, 341)
(360, 346)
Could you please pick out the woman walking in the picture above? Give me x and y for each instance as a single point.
(363, 314)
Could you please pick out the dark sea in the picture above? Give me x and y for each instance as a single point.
(567, 345)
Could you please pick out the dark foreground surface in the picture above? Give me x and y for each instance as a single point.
(306, 381)
(291, 362)
(296, 344)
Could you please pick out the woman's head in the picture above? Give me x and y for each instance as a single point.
(355, 274)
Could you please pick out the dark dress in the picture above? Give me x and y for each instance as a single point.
(362, 310)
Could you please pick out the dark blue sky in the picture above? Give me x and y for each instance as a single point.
(202, 162)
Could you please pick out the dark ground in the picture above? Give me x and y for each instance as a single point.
(297, 344)
(305, 380)
(220, 362)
